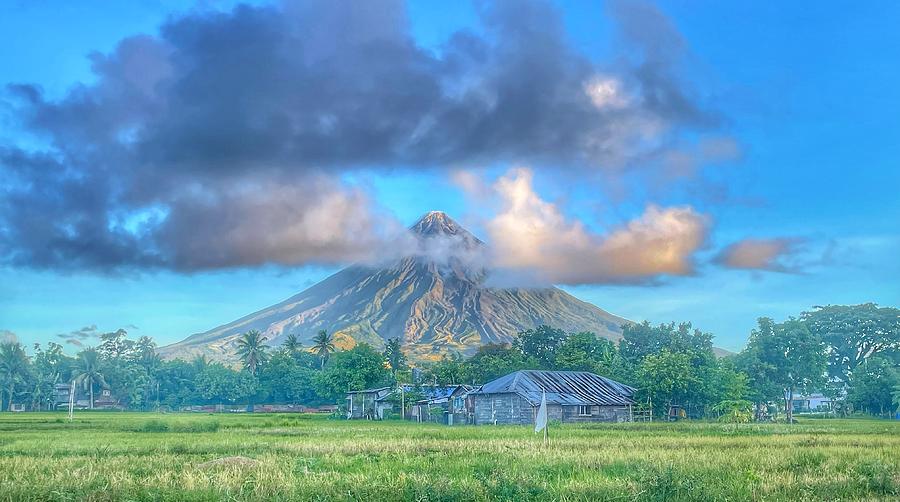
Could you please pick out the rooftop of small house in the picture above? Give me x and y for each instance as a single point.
(561, 387)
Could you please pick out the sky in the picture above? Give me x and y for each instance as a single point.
(167, 169)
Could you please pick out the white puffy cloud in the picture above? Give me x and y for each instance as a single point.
(606, 92)
(531, 238)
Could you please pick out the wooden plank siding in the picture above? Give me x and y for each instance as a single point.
(510, 408)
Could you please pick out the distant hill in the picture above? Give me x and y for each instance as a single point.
(434, 305)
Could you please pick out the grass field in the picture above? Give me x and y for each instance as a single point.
(113, 456)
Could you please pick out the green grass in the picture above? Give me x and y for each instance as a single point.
(114, 456)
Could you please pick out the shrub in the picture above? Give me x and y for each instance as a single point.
(154, 426)
(734, 411)
(188, 427)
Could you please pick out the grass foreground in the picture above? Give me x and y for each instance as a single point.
(140, 456)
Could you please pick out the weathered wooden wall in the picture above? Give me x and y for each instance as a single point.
(513, 409)
(598, 414)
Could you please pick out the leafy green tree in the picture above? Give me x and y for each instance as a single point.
(200, 363)
(541, 344)
(253, 351)
(448, 370)
(763, 377)
(854, 333)
(803, 358)
(50, 367)
(88, 374)
(284, 380)
(724, 382)
(493, 361)
(218, 384)
(393, 354)
(667, 377)
(640, 340)
(323, 346)
(788, 356)
(873, 385)
(361, 367)
(14, 369)
(896, 399)
(129, 383)
(115, 344)
(176, 383)
(585, 352)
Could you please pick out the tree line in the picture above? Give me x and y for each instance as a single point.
(850, 353)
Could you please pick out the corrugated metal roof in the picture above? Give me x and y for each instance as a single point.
(562, 387)
(369, 391)
(430, 392)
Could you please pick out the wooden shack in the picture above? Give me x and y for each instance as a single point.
(572, 396)
(443, 404)
(367, 403)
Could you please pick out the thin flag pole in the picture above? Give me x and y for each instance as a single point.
(71, 400)
(547, 426)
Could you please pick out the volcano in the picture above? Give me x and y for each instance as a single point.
(436, 300)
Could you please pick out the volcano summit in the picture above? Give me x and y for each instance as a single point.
(435, 299)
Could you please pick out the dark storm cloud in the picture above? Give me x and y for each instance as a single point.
(658, 49)
(219, 142)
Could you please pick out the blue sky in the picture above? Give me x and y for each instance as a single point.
(807, 94)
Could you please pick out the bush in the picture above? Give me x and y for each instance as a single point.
(153, 426)
(188, 427)
(734, 411)
(204, 426)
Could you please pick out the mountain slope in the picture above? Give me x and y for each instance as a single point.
(434, 301)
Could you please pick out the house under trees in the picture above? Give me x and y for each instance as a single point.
(103, 399)
(447, 404)
(572, 396)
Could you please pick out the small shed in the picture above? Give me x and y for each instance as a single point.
(812, 402)
(572, 396)
(367, 403)
(461, 406)
(443, 404)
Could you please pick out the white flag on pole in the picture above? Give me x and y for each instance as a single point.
(540, 422)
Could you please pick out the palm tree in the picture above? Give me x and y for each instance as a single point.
(89, 374)
(253, 350)
(323, 345)
(13, 367)
(292, 344)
